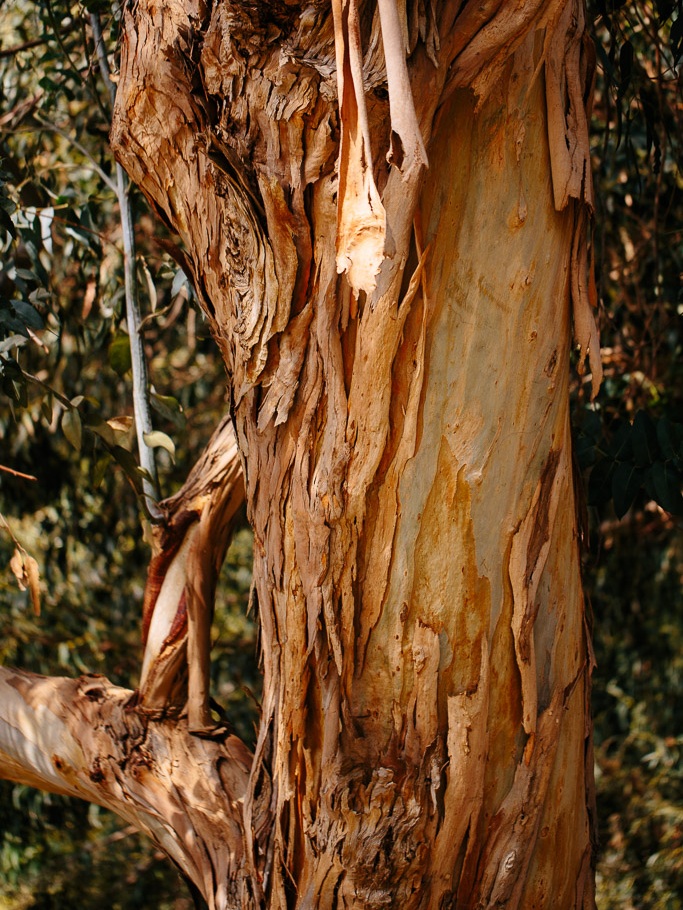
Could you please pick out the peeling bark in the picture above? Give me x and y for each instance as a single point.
(191, 538)
(78, 737)
(397, 344)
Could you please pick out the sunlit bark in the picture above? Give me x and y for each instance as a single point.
(384, 208)
(79, 737)
(191, 539)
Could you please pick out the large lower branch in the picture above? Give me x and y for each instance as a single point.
(79, 737)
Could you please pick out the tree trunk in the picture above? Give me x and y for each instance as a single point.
(385, 211)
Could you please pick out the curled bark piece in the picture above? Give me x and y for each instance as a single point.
(181, 582)
(361, 221)
(491, 32)
(569, 73)
(584, 304)
(407, 151)
(528, 556)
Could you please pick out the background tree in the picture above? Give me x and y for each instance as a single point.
(222, 169)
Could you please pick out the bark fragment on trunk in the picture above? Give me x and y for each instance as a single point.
(403, 425)
(191, 539)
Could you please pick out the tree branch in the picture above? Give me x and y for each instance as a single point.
(141, 404)
(181, 583)
(26, 46)
(79, 737)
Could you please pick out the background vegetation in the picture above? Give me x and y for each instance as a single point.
(65, 419)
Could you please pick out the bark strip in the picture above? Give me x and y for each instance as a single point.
(190, 542)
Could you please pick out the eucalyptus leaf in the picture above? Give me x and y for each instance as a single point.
(28, 314)
(169, 407)
(46, 407)
(644, 439)
(100, 469)
(7, 223)
(670, 437)
(102, 429)
(158, 440)
(179, 282)
(129, 463)
(666, 485)
(119, 355)
(627, 480)
(72, 428)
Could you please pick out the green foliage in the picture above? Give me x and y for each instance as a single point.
(630, 445)
(77, 855)
(636, 597)
(66, 419)
(631, 437)
(641, 459)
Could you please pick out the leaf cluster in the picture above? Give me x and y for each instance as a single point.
(643, 458)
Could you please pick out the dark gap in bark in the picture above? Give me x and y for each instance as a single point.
(371, 507)
(348, 337)
(283, 15)
(437, 754)
(305, 282)
(197, 278)
(396, 154)
(313, 738)
(460, 870)
(388, 843)
(335, 891)
(195, 893)
(410, 266)
(366, 13)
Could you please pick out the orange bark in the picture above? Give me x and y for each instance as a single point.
(397, 343)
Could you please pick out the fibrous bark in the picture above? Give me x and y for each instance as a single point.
(191, 539)
(397, 341)
(79, 738)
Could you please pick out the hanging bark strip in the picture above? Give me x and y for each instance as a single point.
(360, 214)
(191, 541)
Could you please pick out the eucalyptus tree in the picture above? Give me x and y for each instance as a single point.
(385, 209)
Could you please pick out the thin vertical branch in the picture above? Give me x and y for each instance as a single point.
(141, 405)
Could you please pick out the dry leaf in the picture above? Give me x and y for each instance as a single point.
(16, 564)
(27, 574)
(89, 297)
(120, 424)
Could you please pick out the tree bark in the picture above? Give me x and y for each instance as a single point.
(79, 737)
(385, 211)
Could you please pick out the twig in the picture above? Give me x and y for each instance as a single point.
(57, 35)
(26, 46)
(104, 177)
(141, 405)
(17, 473)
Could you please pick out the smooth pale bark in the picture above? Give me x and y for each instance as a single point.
(397, 340)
